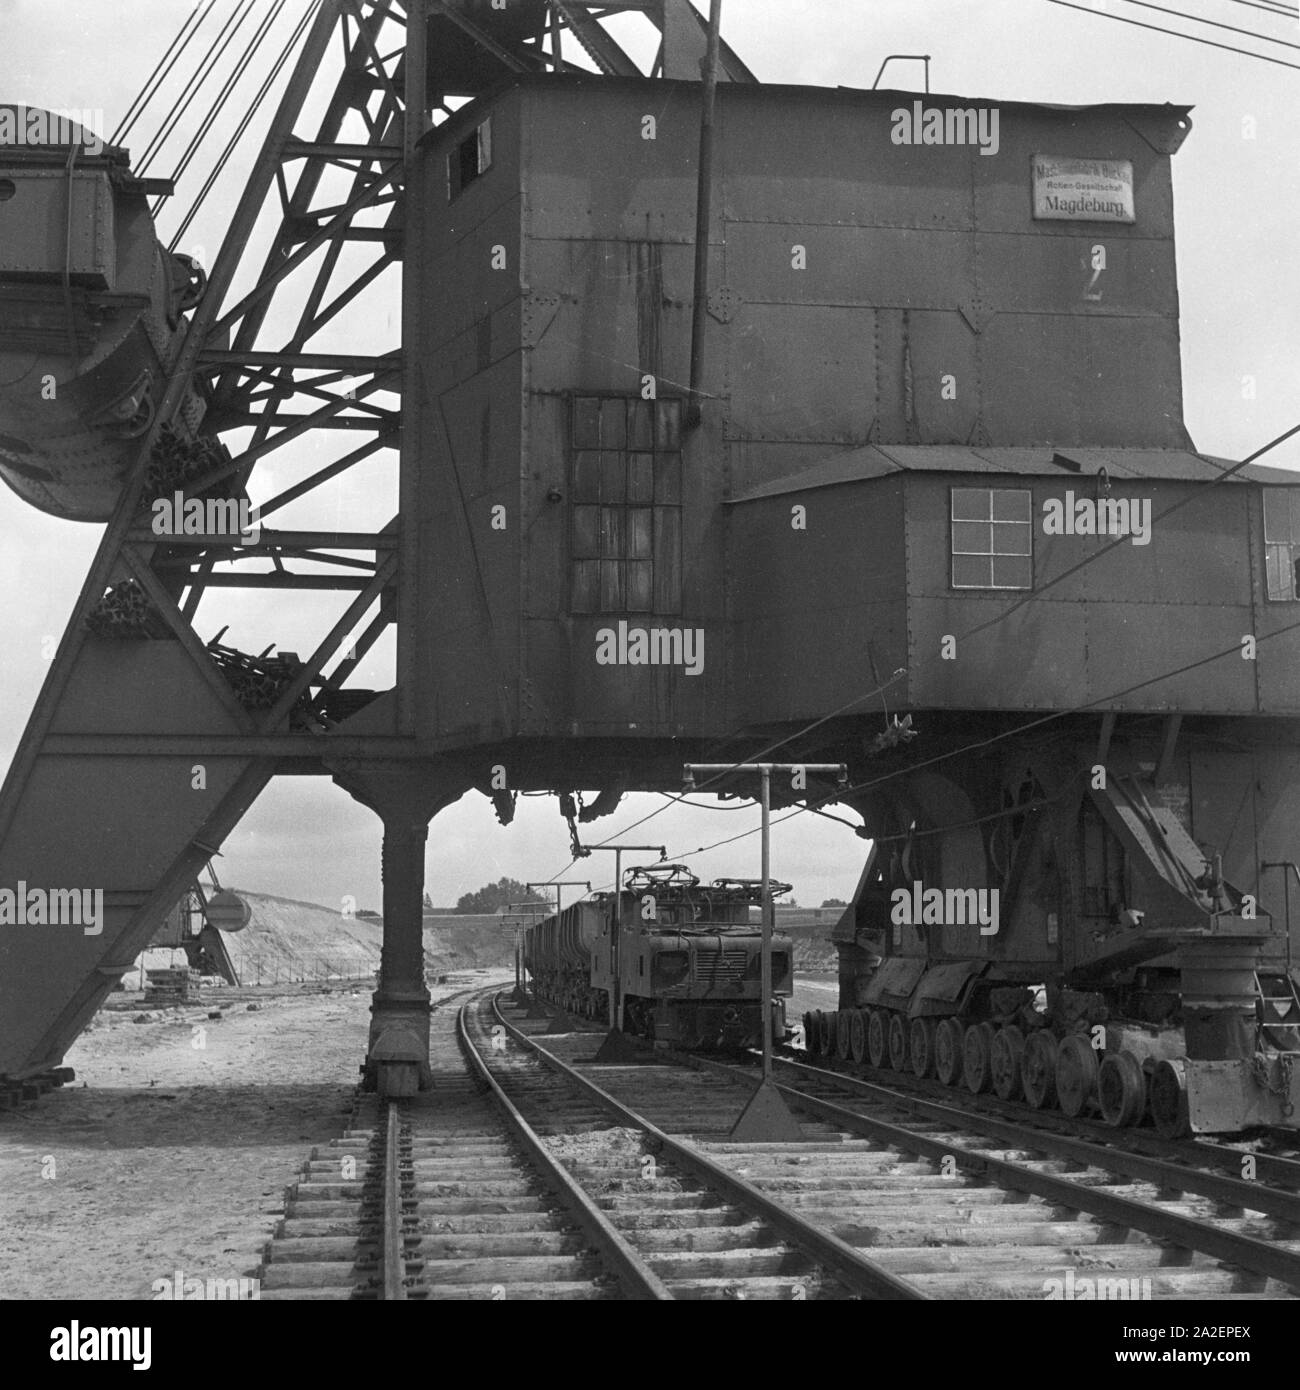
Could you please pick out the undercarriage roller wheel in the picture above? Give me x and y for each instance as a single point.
(810, 1033)
(1038, 1069)
(898, 1042)
(825, 1032)
(976, 1052)
(1169, 1100)
(1121, 1089)
(1006, 1057)
(843, 1039)
(858, 1035)
(920, 1043)
(877, 1038)
(1076, 1074)
(947, 1051)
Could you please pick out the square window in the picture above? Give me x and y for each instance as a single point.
(992, 538)
(972, 504)
(1012, 572)
(1010, 504)
(972, 538)
(972, 572)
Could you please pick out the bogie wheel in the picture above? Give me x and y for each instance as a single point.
(843, 1040)
(1076, 1074)
(826, 1033)
(1038, 1069)
(810, 1033)
(877, 1038)
(920, 1043)
(977, 1048)
(1169, 1100)
(947, 1051)
(897, 1042)
(1121, 1089)
(1005, 1058)
(858, 1035)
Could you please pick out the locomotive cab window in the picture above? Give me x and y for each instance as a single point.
(1282, 542)
(471, 159)
(626, 518)
(992, 538)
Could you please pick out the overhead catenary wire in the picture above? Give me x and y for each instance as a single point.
(1281, 11)
(1212, 23)
(1176, 33)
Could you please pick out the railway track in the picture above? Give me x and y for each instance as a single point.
(966, 1204)
(448, 1195)
(529, 1171)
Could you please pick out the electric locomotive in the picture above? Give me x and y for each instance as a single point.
(682, 960)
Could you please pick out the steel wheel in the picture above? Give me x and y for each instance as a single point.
(857, 1035)
(947, 1051)
(1169, 1100)
(897, 1042)
(1121, 1089)
(1038, 1069)
(920, 1043)
(877, 1040)
(976, 1049)
(843, 1039)
(1005, 1058)
(825, 1032)
(810, 1033)
(1076, 1073)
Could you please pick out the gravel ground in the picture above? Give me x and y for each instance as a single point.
(172, 1149)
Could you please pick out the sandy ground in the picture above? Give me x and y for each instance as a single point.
(165, 1155)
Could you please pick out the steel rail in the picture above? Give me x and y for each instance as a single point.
(393, 1255)
(1273, 1261)
(1274, 1168)
(637, 1279)
(850, 1266)
(1233, 1192)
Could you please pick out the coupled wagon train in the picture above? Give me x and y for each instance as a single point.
(860, 442)
(686, 957)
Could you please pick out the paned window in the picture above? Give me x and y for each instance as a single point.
(992, 538)
(626, 518)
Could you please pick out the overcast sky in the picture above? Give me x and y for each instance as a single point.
(1236, 204)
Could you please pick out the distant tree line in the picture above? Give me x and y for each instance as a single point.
(494, 896)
